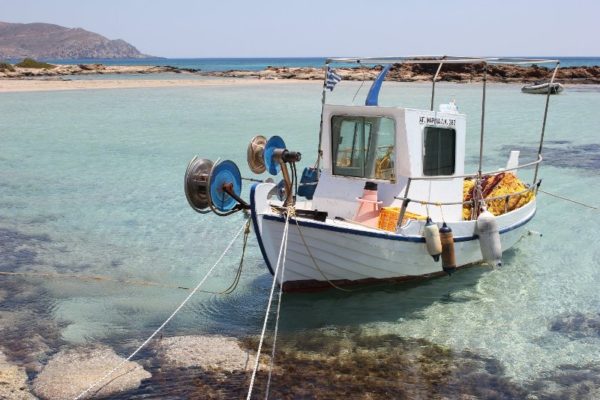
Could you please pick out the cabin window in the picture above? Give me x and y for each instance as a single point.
(439, 151)
(363, 147)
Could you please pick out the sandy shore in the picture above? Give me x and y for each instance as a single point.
(36, 85)
(43, 85)
(19, 79)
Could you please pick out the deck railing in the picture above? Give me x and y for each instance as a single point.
(441, 61)
(477, 200)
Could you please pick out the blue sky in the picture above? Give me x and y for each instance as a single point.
(235, 28)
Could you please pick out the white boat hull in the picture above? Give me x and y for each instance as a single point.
(342, 254)
(556, 88)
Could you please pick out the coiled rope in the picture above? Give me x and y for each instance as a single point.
(280, 261)
(183, 303)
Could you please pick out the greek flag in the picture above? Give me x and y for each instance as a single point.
(332, 79)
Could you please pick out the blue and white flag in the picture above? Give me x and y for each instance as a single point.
(332, 79)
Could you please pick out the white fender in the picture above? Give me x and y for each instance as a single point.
(432, 239)
(489, 239)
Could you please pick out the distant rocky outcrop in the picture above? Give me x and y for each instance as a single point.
(39, 40)
(466, 73)
(57, 71)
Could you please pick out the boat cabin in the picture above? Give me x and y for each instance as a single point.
(387, 146)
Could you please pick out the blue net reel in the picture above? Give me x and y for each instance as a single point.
(224, 174)
(274, 143)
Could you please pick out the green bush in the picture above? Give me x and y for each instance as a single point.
(31, 63)
(6, 67)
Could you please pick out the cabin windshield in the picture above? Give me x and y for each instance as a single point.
(363, 147)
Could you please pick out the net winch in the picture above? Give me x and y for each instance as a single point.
(217, 186)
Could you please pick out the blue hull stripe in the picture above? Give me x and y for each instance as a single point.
(414, 239)
(254, 217)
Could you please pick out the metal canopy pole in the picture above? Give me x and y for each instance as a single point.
(482, 119)
(476, 199)
(323, 99)
(544, 121)
(433, 85)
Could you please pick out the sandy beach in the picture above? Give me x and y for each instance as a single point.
(18, 79)
(37, 85)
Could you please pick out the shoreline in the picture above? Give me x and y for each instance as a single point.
(39, 85)
(461, 73)
(31, 85)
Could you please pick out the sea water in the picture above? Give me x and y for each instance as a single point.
(256, 64)
(91, 186)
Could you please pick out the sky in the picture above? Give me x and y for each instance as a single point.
(293, 28)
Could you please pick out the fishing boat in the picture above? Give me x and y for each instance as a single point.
(388, 198)
(542, 88)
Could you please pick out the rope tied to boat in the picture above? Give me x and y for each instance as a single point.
(136, 282)
(315, 261)
(238, 274)
(183, 303)
(570, 200)
(280, 262)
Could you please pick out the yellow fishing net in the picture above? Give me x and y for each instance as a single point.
(388, 218)
(503, 185)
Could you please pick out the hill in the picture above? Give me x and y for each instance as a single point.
(40, 40)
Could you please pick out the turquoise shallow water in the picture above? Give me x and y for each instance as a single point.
(91, 184)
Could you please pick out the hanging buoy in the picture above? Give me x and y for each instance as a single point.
(448, 258)
(432, 239)
(489, 239)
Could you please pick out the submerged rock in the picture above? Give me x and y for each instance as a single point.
(208, 352)
(13, 381)
(344, 365)
(72, 371)
(27, 337)
(568, 382)
(577, 325)
(338, 364)
(564, 154)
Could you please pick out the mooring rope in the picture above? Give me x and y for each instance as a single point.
(109, 373)
(137, 282)
(315, 261)
(291, 211)
(567, 199)
(93, 278)
(238, 274)
(282, 246)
